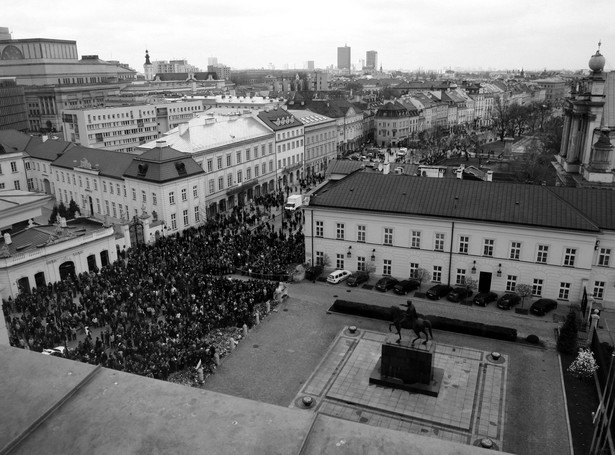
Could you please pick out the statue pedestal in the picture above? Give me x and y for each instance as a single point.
(408, 367)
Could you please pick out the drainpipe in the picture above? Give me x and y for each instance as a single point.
(450, 253)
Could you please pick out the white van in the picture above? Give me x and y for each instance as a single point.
(338, 276)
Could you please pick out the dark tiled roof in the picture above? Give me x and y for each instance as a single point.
(344, 166)
(48, 150)
(596, 204)
(15, 141)
(507, 203)
(278, 119)
(108, 163)
(163, 164)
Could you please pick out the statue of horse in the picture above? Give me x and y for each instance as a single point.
(417, 325)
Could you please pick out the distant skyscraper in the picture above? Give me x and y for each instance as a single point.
(343, 58)
(310, 65)
(371, 58)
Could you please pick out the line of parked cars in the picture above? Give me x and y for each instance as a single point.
(436, 292)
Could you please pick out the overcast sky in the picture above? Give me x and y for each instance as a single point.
(407, 34)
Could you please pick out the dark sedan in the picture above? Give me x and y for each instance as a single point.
(458, 294)
(405, 286)
(386, 283)
(543, 306)
(484, 298)
(438, 291)
(357, 278)
(507, 301)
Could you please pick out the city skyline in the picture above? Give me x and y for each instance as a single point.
(406, 35)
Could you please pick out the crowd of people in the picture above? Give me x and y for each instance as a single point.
(159, 304)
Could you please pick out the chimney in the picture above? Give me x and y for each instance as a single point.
(386, 168)
(44, 138)
(161, 143)
(489, 176)
(7, 238)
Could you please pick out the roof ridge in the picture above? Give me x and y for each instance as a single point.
(576, 209)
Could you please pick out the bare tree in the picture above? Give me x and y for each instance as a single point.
(422, 275)
(470, 283)
(523, 290)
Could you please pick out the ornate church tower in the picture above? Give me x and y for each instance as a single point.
(586, 153)
(148, 68)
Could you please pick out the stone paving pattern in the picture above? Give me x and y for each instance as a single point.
(470, 405)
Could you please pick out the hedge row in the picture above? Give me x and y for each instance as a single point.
(437, 322)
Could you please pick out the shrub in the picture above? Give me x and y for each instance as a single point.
(567, 340)
(532, 339)
(584, 366)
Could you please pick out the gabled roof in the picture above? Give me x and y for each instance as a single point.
(163, 164)
(13, 141)
(278, 119)
(332, 108)
(107, 162)
(507, 203)
(48, 150)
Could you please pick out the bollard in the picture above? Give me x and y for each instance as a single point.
(217, 359)
(231, 344)
(257, 318)
(245, 330)
(268, 307)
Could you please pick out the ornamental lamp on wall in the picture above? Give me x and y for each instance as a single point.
(499, 272)
(349, 253)
(474, 268)
(373, 255)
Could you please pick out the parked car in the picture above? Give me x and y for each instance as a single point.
(313, 272)
(386, 283)
(58, 351)
(543, 306)
(438, 291)
(485, 298)
(357, 278)
(507, 301)
(338, 276)
(458, 294)
(405, 286)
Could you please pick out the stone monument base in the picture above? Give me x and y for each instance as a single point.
(408, 367)
(432, 388)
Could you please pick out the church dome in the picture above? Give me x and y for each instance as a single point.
(596, 62)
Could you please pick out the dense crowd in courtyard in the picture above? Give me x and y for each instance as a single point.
(159, 304)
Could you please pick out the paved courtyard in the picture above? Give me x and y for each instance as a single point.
(469, 407)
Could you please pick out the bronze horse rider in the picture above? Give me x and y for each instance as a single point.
(417, 325)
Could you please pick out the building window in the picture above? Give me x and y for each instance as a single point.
(134, 194)
(249, 173)
(339, 263)
(248, 154)
(17, 185)
(386, 267)
(220, 183)
(238, 157)
(361, 233)
(564, 291)
(414, 267)
(464, 242)
(171, 197)
(439, 242)
(515, 250)
(143, 196)
(154, 200)
(488, 247)
(320, 258)
(604, 258)
(437, 274)
(107, 208)
(13, 166)
(239, 177)
(599, 289)
(416, 239)
(460, 279)
(569, 256)
(173, 221)
(104, 184)
(210, 166)
(228, 160)
(388, 236)
(219, 162)
(184, 195)
(110, 186)
(229, 180)
(186, 220)
(114, 209)
(537, 287)
(511, 283)
(195, 192)
(340, 231)
(320, 229)
(98, 205)
(361, 263)
(543, 253)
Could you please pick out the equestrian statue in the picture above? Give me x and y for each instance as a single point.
(417, 325)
